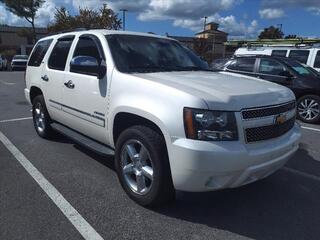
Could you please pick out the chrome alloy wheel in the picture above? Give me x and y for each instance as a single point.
(137, 167)
(308, 109)
(39, 117)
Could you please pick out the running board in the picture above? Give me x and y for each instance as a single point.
(83, 140)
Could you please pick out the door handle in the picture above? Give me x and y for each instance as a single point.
(69, 84)
(45, 78)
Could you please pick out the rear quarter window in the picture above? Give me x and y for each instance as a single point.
(300, 55)
(279, 53)
(243, 64)
(39, 52)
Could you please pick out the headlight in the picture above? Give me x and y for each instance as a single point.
(210, 125)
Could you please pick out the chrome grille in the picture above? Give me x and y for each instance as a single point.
(268, 111)
(268, 132)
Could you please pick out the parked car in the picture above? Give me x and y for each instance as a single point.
(170, 122)
(305, 55)
(304, 82)
(3, 63)
(19, 62)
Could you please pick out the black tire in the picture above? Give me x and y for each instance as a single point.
(45, 130)
(302, 104)
(161, 190)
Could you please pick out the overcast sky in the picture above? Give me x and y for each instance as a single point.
(240, 18)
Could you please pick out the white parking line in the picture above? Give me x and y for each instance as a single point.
(15, 119)
(312, 129)
(84, 228)
(303, 174)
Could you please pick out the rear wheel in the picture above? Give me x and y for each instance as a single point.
(143, 167)
(41, 118)
(309, 109)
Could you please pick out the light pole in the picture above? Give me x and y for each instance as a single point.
(205, 23)
(123, 18)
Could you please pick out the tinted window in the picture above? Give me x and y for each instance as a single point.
(279, 53)
(39, 52)
(86, 47)
(151, 54)
(60, 53)
(271, 67)
(299, 55)
(301, 69)
(317, 60)
(243, 64)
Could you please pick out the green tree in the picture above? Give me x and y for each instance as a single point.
(271, 33)
(87, 18)
(291, 36)
(26, 9)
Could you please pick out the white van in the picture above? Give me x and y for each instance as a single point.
(305, 55)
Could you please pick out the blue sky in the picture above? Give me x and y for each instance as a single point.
(240, 18)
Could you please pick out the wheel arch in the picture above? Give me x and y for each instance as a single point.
(124, 119)
(34, 91)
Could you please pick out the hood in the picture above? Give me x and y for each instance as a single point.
(224, 91)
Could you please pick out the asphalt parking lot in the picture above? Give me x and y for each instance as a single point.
(283, 206)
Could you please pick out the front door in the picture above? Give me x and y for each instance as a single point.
(84, 95)
(273, 71)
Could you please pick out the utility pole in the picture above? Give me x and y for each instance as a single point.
(280, 26)
(123, 18)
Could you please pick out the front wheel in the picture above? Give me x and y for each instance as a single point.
(308, 108)
(143, 167)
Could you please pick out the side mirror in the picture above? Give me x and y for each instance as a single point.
(88, 65)
(287, 74)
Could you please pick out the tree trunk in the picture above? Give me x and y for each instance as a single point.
(34, 35)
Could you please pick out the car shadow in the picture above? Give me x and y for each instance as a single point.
(282, 206)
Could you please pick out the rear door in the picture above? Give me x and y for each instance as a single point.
(36, 63)
(273, 71)
(243, 65)
(53, 76)
(84, 95)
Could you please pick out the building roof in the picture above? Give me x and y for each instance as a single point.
(212, 32)
(182, 38)
(13, 29)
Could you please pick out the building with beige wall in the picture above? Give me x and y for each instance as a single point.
(209, 43)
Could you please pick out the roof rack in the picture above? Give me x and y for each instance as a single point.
(303, 43)
(69, 30)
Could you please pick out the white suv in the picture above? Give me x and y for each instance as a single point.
(170, 122)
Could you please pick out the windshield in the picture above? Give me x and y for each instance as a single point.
(301, 69)
(150, 54)
(20, 57)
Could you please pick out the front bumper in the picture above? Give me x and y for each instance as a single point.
(27, 95)
(198, 166)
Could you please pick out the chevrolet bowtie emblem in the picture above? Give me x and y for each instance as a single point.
(280, 119)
